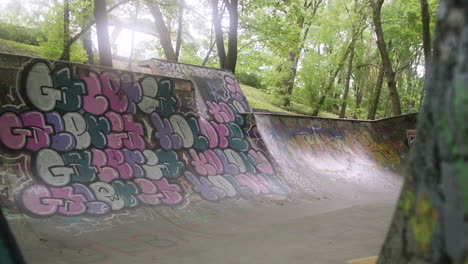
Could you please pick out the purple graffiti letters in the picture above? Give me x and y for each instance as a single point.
(203, 186)
(61, 140)
(111, 88)
(165, 134)
(133, 91)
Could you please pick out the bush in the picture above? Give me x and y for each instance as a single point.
(20, 34)
(250, 79)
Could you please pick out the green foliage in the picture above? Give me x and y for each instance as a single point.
(20, 34)
(250, 79)
(270, 33)
(19, 48)
(52, 44)
(260, 99)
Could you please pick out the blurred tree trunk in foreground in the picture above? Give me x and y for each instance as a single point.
(430, 224)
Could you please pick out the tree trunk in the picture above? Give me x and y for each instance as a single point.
(231, 58)
(376, 95)
(87, 40)
(331, 81)
(66, 31)
(102, 30)
(347, 81)
(179, 29)
(426, 32)
(389, 73)
(289, 81)
(219, 37)
(88, 47)
(430, 224)
(163, 31)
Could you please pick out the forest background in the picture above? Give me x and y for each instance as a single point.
(361, 59)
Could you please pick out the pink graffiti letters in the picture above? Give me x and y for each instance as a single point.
(95, 102)
(222, 112)
(111, 88)
(125, 132)
(27, 130)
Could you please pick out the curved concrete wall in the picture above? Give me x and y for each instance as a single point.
(78, 140)
(85, 149)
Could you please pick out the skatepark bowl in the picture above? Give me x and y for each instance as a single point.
(99, 165)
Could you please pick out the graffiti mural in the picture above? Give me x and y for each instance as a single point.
(323, 145)
(212, 85)
(104, 141)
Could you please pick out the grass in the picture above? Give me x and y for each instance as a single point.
(269, 102)
(19, 48)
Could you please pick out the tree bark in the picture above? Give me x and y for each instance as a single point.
(227, 60)
(102, 30)
(430, 224)
(389, 73)
(180, 27)
(88, 47)
(87, 41)
(231, 57)
(66, 31)
(426, 32)
(289, 81)
(163, 31)
(376, 95)
(347, 81)
(219, 36)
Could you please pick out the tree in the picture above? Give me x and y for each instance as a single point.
(102, 30)
(430, 224)
(163, 31)
(332, 79)
(66, 30)
(227, 60)
(374, 101)
(87, 41)
(303, 24)
(356, 27)
(86, 28)
(389, 73)
(347, 82)
(426, 32)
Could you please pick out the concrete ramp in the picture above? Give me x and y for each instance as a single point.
(101, 165)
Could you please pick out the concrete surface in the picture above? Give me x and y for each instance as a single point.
(178, 170)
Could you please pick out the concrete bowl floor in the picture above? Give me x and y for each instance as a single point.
(268, 230)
